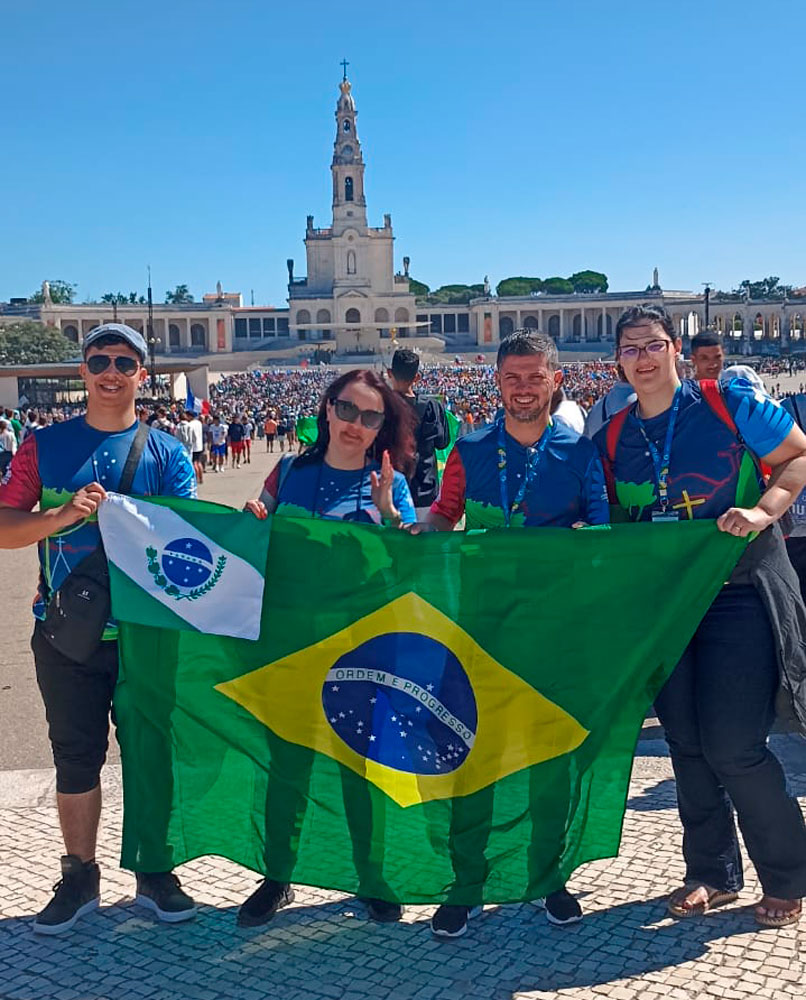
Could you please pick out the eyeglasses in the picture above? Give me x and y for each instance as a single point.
(349, 412)
(653, 347)
(98, 363)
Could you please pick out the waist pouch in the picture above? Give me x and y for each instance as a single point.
(79, 610)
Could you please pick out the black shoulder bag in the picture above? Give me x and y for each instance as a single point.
(78, 611)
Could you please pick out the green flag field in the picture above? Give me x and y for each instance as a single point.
(419, 718)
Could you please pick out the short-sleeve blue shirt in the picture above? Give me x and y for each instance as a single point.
(54, 463)
(706, 456)
(346, 495)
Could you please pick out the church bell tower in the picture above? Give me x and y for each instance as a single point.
(349, 203)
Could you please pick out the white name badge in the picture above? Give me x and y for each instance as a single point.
(661, 516)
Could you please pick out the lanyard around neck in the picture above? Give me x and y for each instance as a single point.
(533, 458)
(660, 463)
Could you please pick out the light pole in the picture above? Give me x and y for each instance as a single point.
(707, 303)
(151, 339)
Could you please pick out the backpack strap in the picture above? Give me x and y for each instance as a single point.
(712, 394)
(612, 436)
(133, 458)
(285, 467)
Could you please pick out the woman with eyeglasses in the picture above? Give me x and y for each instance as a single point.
(356, 469)
(353, 472)
(689, 450)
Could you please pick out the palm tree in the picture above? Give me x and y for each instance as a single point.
(179, 296)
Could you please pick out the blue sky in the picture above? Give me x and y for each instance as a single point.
(535, 138)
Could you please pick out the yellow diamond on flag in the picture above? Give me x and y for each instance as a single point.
(410, 701)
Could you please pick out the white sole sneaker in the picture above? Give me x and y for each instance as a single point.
(540, 904)
(166, 916)
(474, 911)
(82, 911)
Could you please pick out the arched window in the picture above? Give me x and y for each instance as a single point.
(351, 261)
(198, 336)
(506, 326)
(554, 327)
(530, 323)
(173, 335)
(348, 189)
(71, 332)
(381, 315)
(401, 317)
(303, 316)
(347, 125)
(353, 316)
(323, 319)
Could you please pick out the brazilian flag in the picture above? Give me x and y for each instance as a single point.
(440, 717)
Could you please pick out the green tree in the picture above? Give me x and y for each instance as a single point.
(30, 343)
(115, 298)
(589, 281)
(179, 296)
(766, 288)
(61, 293)
(455, 295)
(418, 288)
(557, 286)
(519, 286)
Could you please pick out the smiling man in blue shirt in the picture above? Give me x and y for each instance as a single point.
(67, 469)
(524, 471)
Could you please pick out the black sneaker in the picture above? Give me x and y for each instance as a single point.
(162, 893)
(265, 901)
(76, 893)
(451, 921)
(382, 911)
(561, 907)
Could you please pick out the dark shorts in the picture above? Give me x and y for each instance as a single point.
(78, 704)
(198, 456)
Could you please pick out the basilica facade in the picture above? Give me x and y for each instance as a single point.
(353, 300)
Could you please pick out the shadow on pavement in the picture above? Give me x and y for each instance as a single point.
(333, 951)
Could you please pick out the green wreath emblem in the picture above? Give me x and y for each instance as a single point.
(171, 589)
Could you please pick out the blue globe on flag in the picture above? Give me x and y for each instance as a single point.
(187, 562)
(403, 699)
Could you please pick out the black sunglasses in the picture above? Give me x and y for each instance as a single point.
(98, 363)
(349, 412)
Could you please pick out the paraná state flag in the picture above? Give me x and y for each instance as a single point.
(447, 716)
(187, 566)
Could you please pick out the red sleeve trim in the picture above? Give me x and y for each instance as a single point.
(451, 500)
(21, 487)
(273, 481)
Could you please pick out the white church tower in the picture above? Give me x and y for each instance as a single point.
(351, 293)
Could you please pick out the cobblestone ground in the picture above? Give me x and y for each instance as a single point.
(324, 946)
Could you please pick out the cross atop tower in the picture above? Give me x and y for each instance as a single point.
(344, 64)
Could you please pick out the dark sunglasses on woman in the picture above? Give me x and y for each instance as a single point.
(98, 363)
(349, 412)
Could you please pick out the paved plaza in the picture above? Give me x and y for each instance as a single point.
(324, 946)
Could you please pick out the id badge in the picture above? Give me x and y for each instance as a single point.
(662, 516)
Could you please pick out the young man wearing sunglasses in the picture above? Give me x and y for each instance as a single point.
(67, 469)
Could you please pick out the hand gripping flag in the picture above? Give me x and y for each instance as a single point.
(442, 717)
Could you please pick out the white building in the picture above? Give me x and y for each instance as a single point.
(353, 297)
